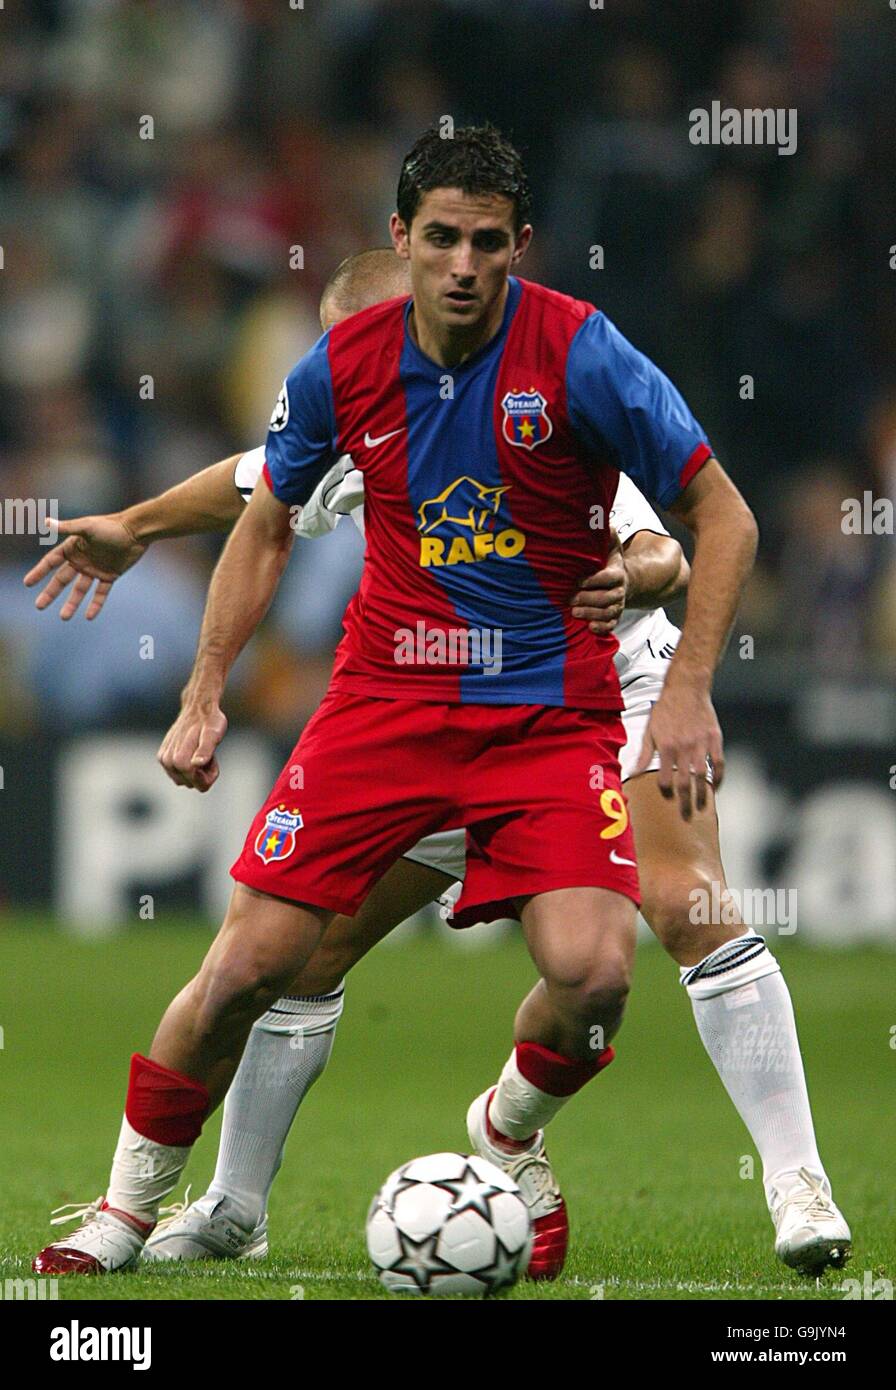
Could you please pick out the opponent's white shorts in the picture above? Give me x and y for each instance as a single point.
(640, 693)
(446, 849)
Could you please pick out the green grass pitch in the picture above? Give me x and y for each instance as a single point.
(650, 1157)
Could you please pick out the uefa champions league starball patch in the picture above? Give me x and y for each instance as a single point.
(277, 838)
(280, 417)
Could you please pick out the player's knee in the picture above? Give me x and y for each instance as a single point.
(592, 1011)
(240, 983)
(594, 990)
(677, 904)
(606, 994)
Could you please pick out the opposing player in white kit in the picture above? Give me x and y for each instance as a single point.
(735, 984)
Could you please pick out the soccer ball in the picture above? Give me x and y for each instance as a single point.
(449, 1224)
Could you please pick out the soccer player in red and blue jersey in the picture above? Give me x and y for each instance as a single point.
(490, 418)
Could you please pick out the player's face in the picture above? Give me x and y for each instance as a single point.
(461, 249)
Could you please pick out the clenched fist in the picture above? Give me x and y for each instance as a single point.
(188, 749)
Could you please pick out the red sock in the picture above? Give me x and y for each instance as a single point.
(164, 1105)
(555, 1074)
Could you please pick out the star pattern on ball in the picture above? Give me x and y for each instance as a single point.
(419, 1260)
(470, 1193)
(504, 1270)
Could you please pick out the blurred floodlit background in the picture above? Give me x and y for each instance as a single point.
(273, 127)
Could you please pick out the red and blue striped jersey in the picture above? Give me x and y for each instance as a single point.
(488, 488)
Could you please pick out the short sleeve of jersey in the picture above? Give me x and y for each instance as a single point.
(301, 442)
(618, 398)
(632, 512)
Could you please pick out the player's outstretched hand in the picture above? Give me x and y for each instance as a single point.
(188, 749)
(601, 599)
(98, 549)
(684, 730)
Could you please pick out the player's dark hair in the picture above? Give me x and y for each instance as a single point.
(476, 159)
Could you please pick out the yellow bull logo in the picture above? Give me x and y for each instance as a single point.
(465, 502)
(472, 505)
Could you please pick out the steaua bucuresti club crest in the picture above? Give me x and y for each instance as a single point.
(277, 837)
(526, 420)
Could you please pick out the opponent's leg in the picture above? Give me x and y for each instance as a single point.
(583, 941)
(288, 1049)
(257, 952)
(744, 1016)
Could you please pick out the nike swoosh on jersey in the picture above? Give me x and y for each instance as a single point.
(618, 859)
(372, 442)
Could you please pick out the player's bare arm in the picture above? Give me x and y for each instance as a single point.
(683, 726)
(102, 548)
(99, 549)
(656, 570)
(645, 571)
(207, 501)
(242, 586)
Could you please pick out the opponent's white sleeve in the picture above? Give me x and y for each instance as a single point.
(248, 471)
(632, 512)
(639, 632)
(339, 492)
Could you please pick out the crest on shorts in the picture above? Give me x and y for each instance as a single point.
(277, 837)
(526, 421)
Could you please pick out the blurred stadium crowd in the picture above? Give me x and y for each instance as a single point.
(127, 258)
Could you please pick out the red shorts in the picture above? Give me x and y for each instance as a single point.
(537, 788)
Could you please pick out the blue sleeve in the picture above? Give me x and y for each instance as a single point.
(301, 442)
(619, 400)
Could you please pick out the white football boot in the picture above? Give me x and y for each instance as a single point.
(106, 1241)
(810, 1231)
(204, 1230)
(534, 1176)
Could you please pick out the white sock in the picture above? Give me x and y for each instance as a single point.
(287, 1051)
(143, 1173)
(535, 1084)
(744, 1016)
(518, 1109)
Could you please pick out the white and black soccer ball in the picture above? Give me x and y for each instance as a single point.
(449, 1224)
